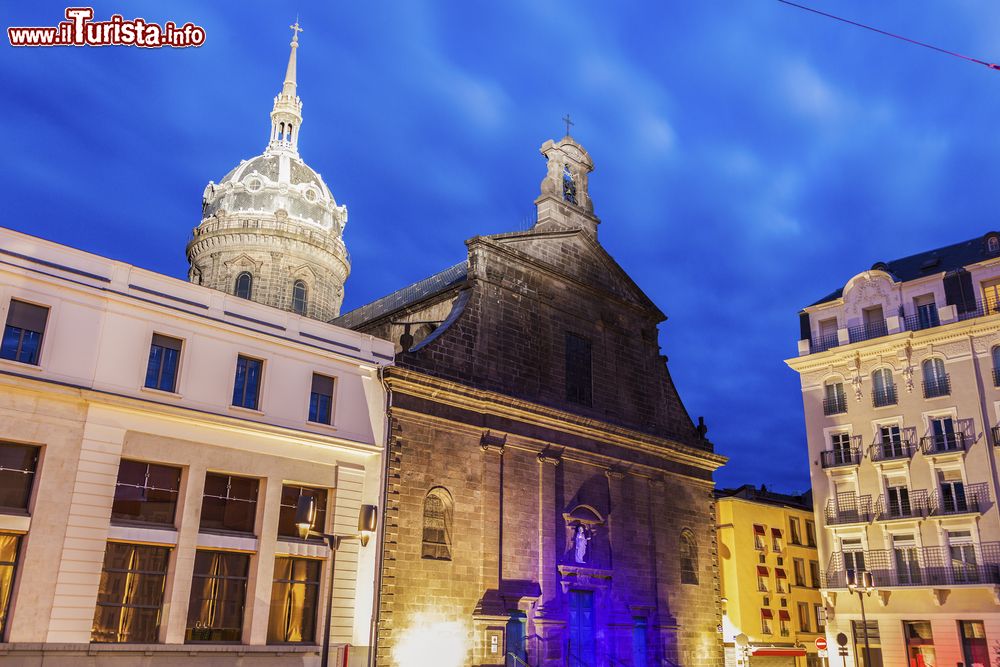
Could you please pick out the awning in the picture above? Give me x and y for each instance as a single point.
(778, 652)
(779, 573)
(758, 529)
(766, 613)
(783, 615)
(776, 532)
(762, 571)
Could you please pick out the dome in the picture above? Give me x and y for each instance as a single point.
(276, 181)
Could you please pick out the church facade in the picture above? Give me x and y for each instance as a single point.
(549, 500)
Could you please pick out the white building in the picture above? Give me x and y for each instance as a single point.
(900, 376)
(156, 436)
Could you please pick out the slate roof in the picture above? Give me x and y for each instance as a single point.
(418, 291)
(763, 495)
(940, 260)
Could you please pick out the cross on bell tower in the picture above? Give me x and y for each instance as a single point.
(564, 202)
(568, 122)
(286, 116)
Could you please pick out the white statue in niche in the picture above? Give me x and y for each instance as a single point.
(580, 542)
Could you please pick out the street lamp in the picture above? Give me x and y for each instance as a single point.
(305, 518)
(862, 583)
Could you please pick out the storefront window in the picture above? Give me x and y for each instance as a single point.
(919, 644)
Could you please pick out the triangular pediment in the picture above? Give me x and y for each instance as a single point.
(575, 255)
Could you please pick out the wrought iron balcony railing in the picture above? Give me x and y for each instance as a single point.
(892, 450)
(953, 565)
(919, 322)
(823, 343)
(841, 457)
(939, 386)
(996, 377)
(868, 331)
(943, 443)
(902, 505)
(848, 508)
(835, 405)
(884, 396)
(960, 499)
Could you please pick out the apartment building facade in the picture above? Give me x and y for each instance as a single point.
(769, 578)
(155, 437)
(900, 374)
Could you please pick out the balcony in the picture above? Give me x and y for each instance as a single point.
(892, 450)
(996, 436)
(939, 386)
(919, 322)
(965, 565)
(960, 499)
(912, 505)
(836, 458)
(943, 443)
(868, 331)
(996, 377)
(847, 509)
(881, 397)
(824, 343)
(836, 405)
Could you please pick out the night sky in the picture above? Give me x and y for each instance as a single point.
(750, 157)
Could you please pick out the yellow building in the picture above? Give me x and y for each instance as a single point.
(769, 578)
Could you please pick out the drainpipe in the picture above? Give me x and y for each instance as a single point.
(985, 415)
(373, 631)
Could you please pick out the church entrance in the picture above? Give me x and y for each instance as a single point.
(582, 644)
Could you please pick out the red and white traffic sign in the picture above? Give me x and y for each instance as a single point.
(821, 643)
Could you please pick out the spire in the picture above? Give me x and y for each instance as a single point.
(286, 116)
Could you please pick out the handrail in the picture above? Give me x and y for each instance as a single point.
(517, 658)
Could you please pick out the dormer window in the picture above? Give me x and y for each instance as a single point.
(992, 244)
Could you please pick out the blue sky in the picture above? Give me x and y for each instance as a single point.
(750, 157)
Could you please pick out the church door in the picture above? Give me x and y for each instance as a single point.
(582, 646)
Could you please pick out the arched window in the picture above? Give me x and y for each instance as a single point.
(244, 283)
(299, 296)
(688, 552)
(437, 524)
(834, 398)
(993, 245)
(936, 381)
(883, 388)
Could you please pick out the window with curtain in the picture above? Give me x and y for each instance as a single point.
(161, 370)
(437, 525)
(145, 493)
(244, 285)
(299, 297)
(130, 596)
(294, 600)
(229, 503)
(9, 546)
(688, 552)
(22, 335)
(290, 494)
(834, 398)
(218, 597)
(935, 378)
(883, 388)
(17, 476)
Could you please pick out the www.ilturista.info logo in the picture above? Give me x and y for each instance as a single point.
(80, 30)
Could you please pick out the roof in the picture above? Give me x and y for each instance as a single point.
(762, 495)
(930, 262)
(418, 291)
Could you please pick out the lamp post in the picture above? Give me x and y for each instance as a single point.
(305, 517)
(862, 583)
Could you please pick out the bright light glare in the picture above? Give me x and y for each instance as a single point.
(432, 644)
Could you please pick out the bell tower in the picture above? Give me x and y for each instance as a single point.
(564, 202)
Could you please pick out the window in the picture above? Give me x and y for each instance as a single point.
(762, 576)
(995, 354)
(437, 525)
(780, 581)
(897, 496)
(689, 558)
(299, 296)
(130, 597)
(229, 504)
(639, 650)
(803, 616)
(9, 546)
(17, 476)
(919, 642)
(794, 533)
(834, 400)
(810, 533)
(854, 557)
(799, 569)
(890, 440)
(952, 499)
(569, 185)
(943, 436)
(927, 313)
(883, 388)
(294, 599)
(777, 541)
(246, 390)
(962, 555)
(974, 646)
(784, 620)
(22, 337)
(991, 296)
(146, 493)
(321, 400)
(820, 614)
(161, 371)
(290, 494)
(814, 574)
(907, 559)
(936, 381)
(578, 370)
(766, 616)
(874, 642)
(993, 245)
(244, 285)
(843, 453)
(758, 537)
(218, 595)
